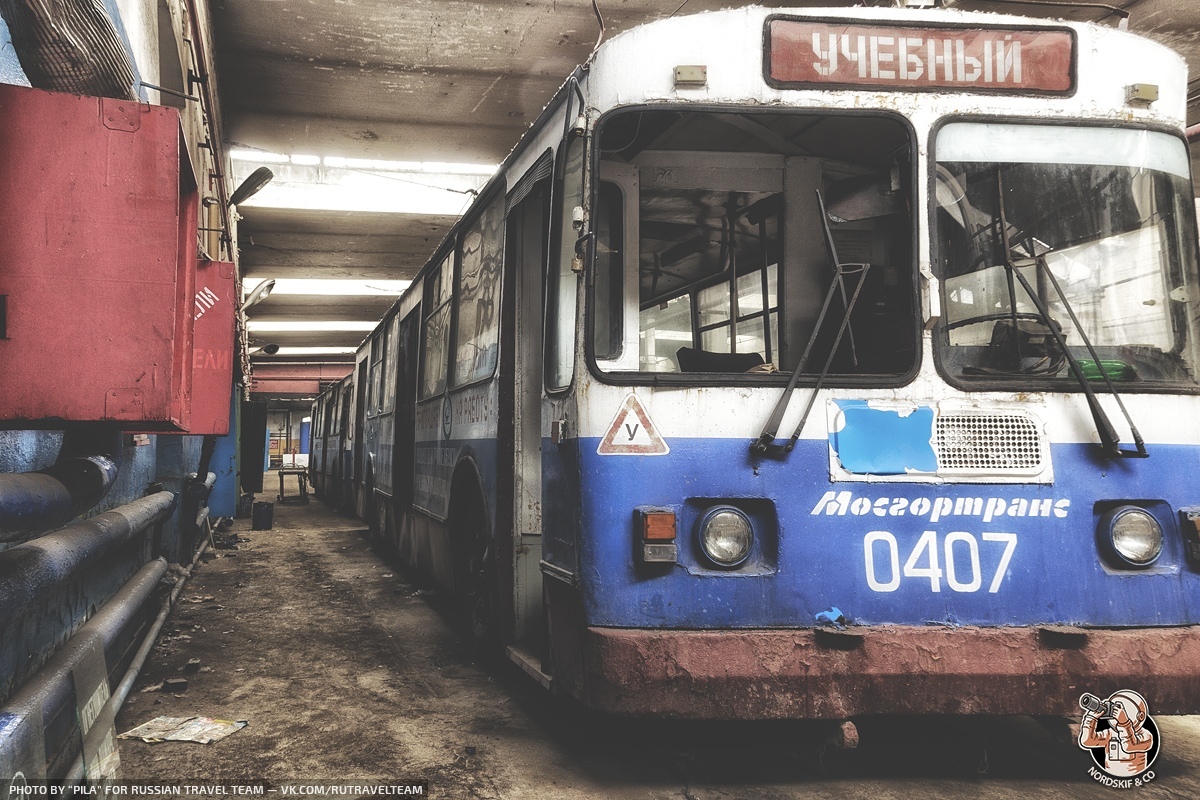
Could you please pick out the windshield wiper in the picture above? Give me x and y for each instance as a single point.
(1110, 440)
(764, 444)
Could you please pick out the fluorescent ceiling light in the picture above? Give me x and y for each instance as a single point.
(258, 156)
(343, 184)
(317, 325)
(329, 286)
(428, 167)
(369, 164)
(316, 351)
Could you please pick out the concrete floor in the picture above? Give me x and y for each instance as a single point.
(345, 669)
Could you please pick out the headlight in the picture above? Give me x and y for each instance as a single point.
(726, 536)
(1134, 535)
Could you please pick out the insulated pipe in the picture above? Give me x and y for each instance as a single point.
(34, 502)
(119, 694)
(49, 692)
(29, 572)
(1192, 133)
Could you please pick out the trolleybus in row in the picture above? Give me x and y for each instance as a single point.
(813, 363)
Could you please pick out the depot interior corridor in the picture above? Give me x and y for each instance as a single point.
(345, 668)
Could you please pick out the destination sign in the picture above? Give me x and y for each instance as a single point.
(805, 53)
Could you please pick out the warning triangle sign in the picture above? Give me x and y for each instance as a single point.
(632, 433)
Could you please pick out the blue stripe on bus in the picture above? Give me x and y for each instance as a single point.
(1054, 576)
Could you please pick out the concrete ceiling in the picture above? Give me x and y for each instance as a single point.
(438, 80)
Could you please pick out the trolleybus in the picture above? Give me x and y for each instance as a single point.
(810, 364)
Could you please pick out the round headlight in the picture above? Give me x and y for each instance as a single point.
(1135, 535)
(726, 536)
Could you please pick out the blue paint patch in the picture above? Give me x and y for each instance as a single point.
(876, 441)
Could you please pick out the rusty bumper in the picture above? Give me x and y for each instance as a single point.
(773, 674)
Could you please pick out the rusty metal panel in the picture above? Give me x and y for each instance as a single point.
(830, 674)
(97, 262)
(212, 355)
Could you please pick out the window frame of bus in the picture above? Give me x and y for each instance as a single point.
(391, 331)
(377, 370)
(436, 265)
(781, 378)
(1031, 383)
(558, 355)
(494, 200)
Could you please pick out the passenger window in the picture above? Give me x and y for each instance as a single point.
(388, 397)
(376, 360)
(665, 328)
(436, 338)
(477, 332)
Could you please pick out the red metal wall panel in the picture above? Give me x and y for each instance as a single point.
(96, 262)
(212, 358)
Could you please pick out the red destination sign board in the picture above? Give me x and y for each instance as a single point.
(806, 53)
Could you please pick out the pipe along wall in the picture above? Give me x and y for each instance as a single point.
(74, 607)
(68, 574)
(32, 503)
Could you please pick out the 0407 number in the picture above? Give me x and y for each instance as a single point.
(957, 561)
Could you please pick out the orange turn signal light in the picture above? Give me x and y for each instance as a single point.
(658, 526)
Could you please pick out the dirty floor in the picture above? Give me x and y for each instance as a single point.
(345, 669)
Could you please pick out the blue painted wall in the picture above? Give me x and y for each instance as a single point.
(223, 500)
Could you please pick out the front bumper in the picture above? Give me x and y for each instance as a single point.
(819, 674)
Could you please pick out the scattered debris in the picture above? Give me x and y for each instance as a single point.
(208, 598)
(154, 687)
(227, 540)
(202, 730)
(192, 666)
(175, 685)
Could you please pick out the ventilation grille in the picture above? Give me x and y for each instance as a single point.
(994, 442)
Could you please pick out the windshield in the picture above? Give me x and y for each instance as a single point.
(713, 254)
(1099, 222)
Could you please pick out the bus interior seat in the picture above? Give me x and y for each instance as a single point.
(693, 360)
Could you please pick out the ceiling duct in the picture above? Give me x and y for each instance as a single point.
(70, 46)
